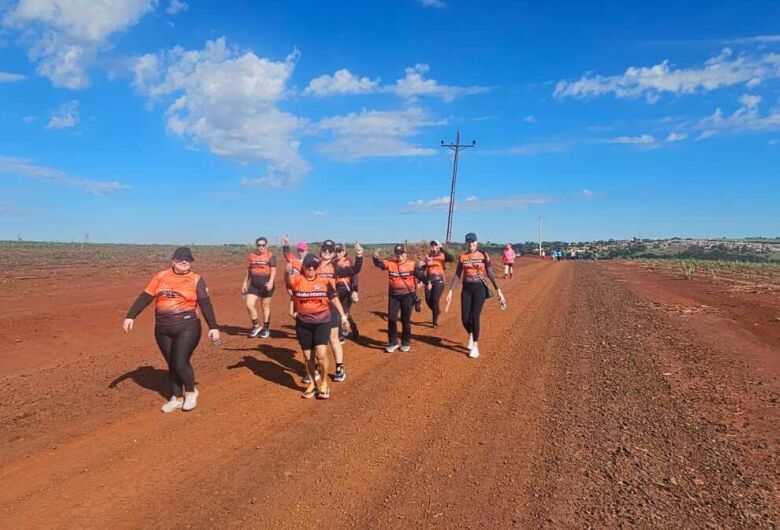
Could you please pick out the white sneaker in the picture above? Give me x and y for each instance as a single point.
(317, 376)
(391, 348)
(406, 347)
(190, 400)
(173, 404)
(474, 353)
(471, 341)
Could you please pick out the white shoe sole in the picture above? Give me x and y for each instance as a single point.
(165, 410)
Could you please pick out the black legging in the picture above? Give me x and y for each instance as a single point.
(432, 298)
(403, 303)
(177, 343)
(345, 297)
(472, 298)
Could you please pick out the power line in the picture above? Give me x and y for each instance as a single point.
(457, 147)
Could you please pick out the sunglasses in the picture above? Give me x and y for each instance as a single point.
(261, 244)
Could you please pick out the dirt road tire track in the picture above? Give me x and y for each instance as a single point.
(566, 421)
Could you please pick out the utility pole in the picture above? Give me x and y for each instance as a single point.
(539, 234)
(457, 147)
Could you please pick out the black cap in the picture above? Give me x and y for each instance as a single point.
(310, 260)
(471, 236)
(340, 247)
(183, 253)
(328, 244)
(399, 249)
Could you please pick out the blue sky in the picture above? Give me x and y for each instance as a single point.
(202, 122)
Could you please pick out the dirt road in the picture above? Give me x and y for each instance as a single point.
(590, 407)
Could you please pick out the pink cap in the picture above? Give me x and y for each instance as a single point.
(302, 246)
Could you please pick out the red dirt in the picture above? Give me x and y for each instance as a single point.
(594, 404)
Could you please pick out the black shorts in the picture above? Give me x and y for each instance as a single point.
(311, 335)
(335, 318)
(260, 290)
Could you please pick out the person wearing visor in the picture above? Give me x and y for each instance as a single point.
(259, 283)
(314, 300)
(432, 275)
(474, 269)
(177, 293)
(347, 288)
(402, 295)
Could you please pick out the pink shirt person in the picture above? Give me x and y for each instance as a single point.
(508, 256)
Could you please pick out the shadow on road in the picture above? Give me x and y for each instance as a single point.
(147, 377)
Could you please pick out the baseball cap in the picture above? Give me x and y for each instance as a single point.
(183, 253)
(435, 242)
(302, 246)
(341, 247)
(328, 244)
(310, 260)
(399, 249)
(471, 236)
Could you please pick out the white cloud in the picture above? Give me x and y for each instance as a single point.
(643, 139)
(676, 136)
(529, 119)
(226, 100)
(746, 118)
(65, 36)
(758, 39)
(433, 3)
(26, 168)
(6, 77)
(319, 213)
(723, 70)
(177, 6)
(473, 203)
(706, 134)
(376, 133)
(414, 85)
(342, 82)
(537, 148)
(66, 116)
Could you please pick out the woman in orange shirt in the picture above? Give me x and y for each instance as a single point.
(314, 298)
(402, 296)
(177, 292)
(432, 269)
(259, 283)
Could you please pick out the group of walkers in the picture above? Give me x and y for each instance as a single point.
(322, 288)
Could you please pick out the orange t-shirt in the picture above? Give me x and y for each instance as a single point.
(311, 298)
(434, 266)
(401, 276)
(175, 296)
(259, 265)
(473, 265)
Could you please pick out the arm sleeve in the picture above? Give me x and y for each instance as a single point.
(272, 261)
(378, 263)
(143, 300)
(355, 280)
(286, 253)
(489, 271)
(204, 301)
(358, 265)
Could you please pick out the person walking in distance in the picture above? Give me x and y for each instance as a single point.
(473, 268)
(177, 292)
(259, 284)
(402, 296)
(314, 301)
(508, 259)
(432, 275)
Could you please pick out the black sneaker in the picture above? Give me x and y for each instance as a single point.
(340, 375)
(417, 304)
